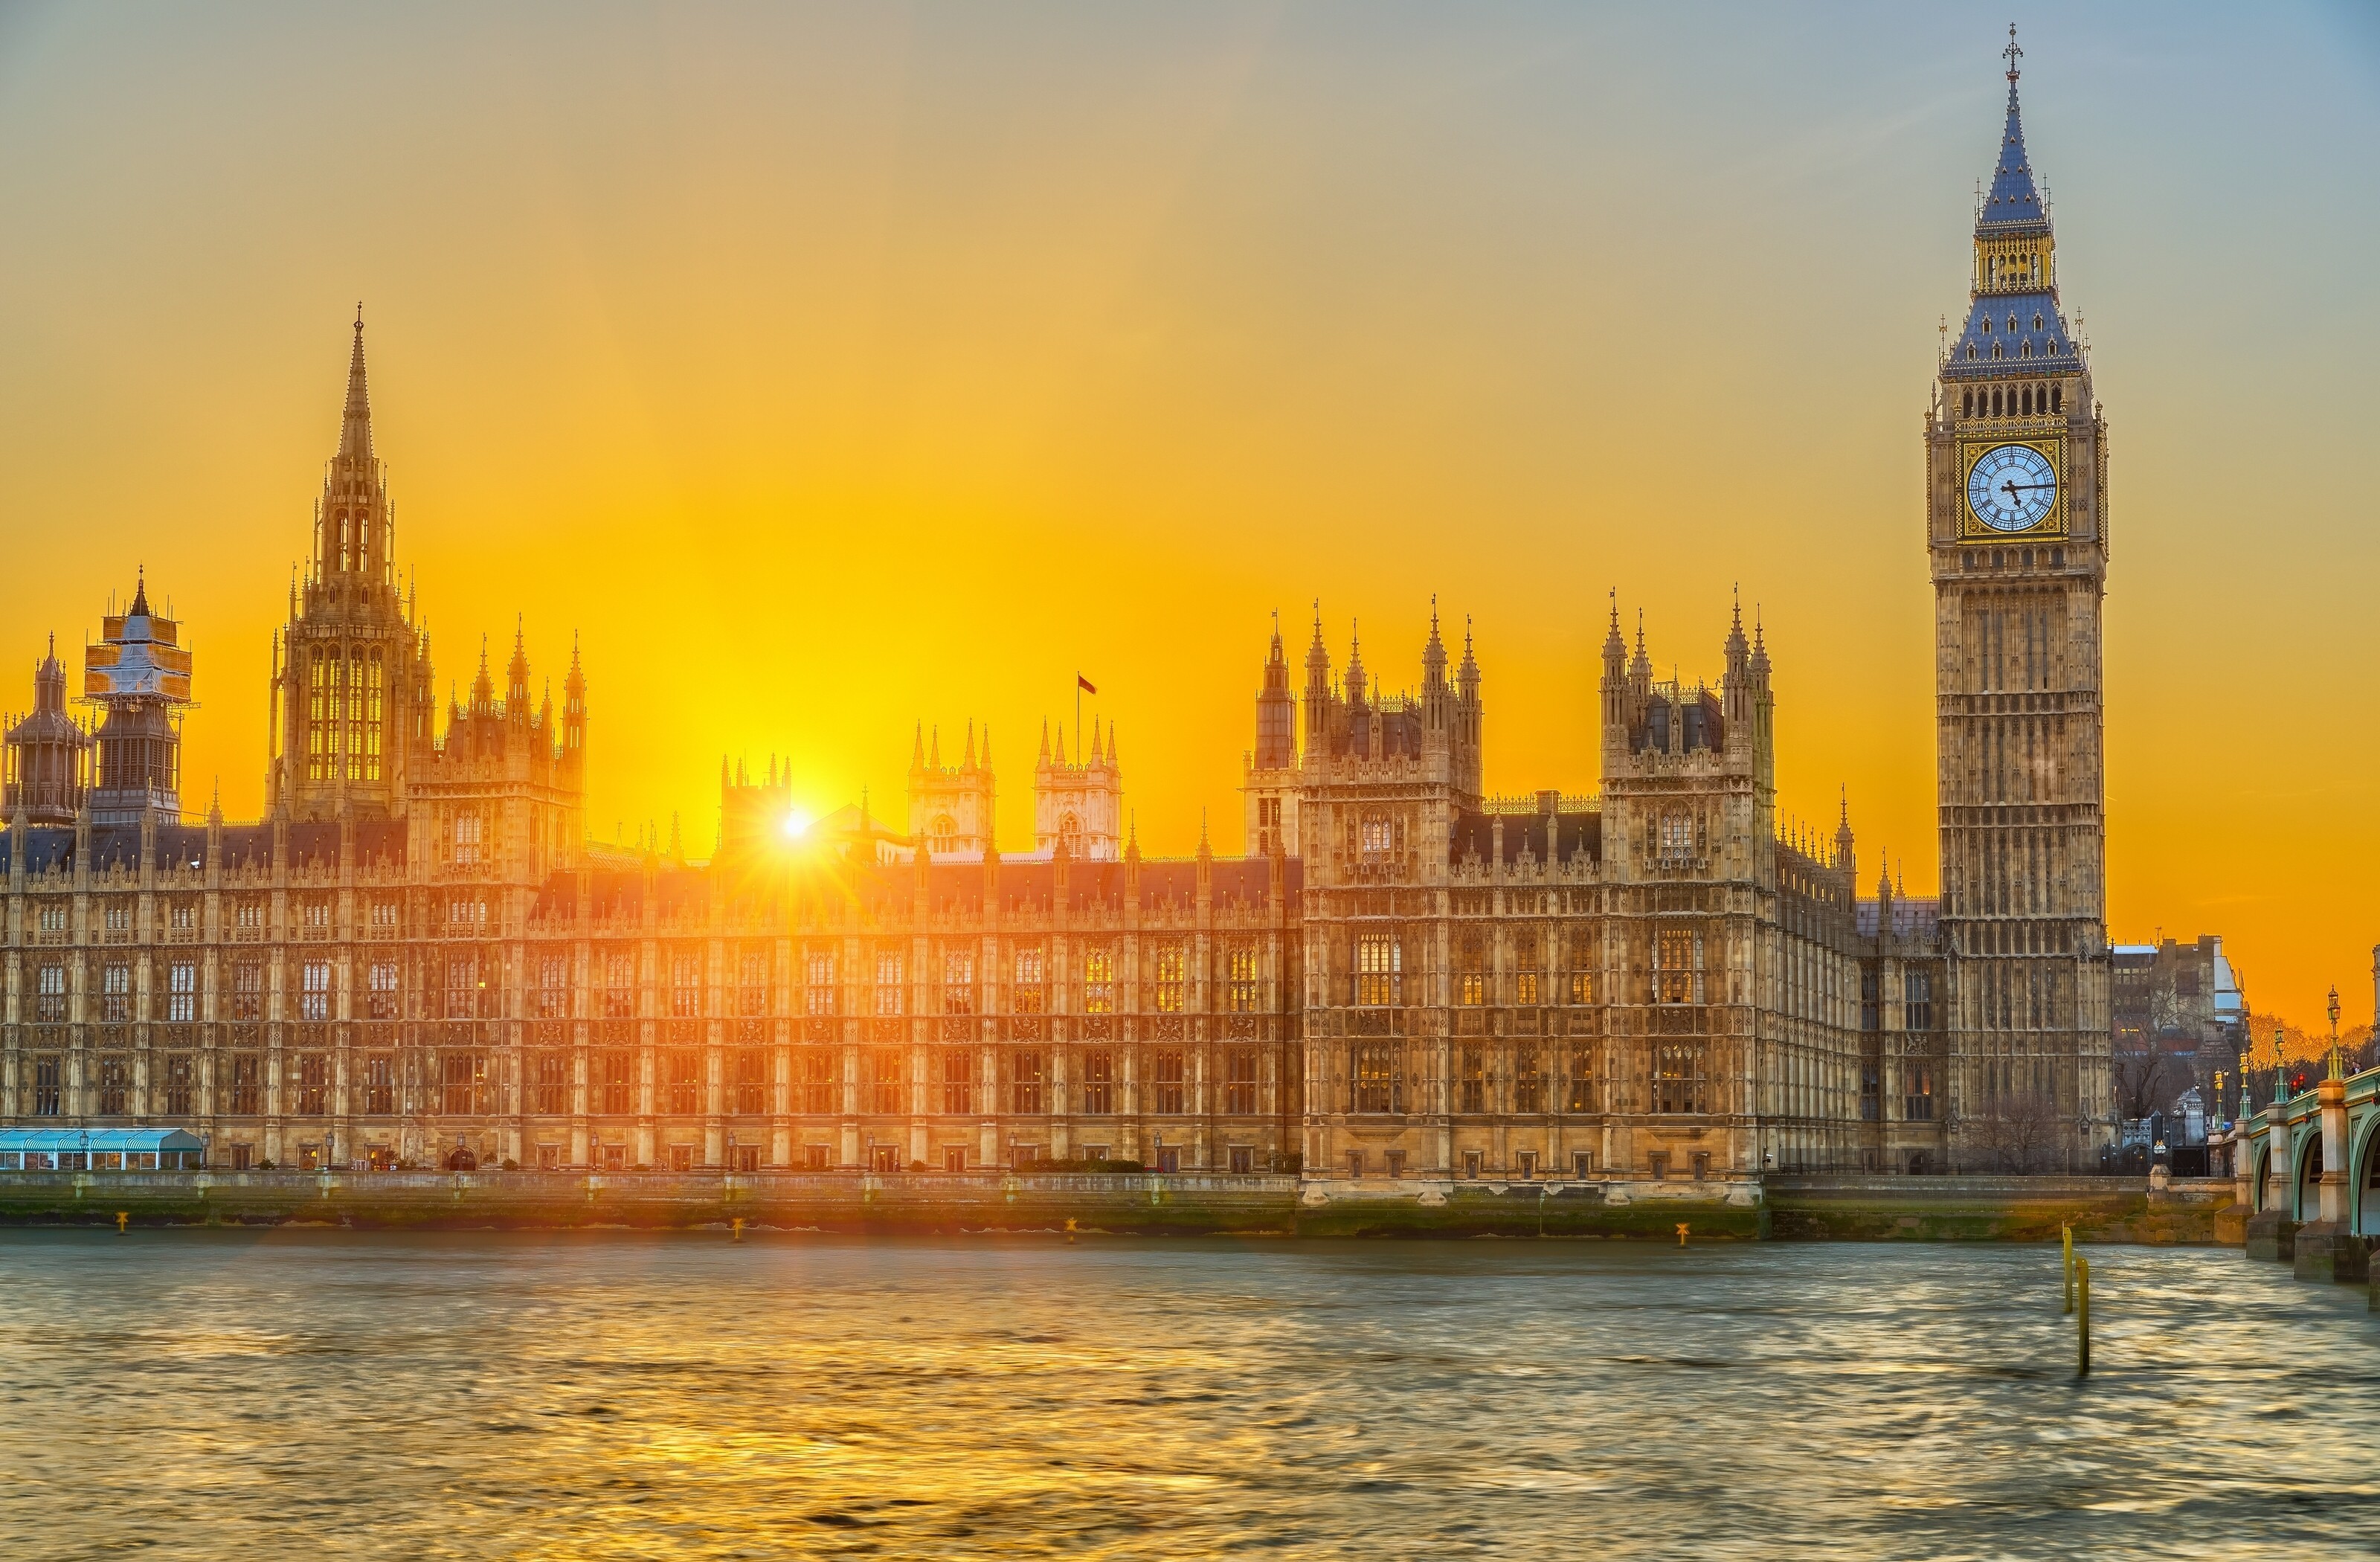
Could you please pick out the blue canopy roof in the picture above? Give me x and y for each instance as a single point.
(56, 1140)
(2000, 338)
(2013, 202)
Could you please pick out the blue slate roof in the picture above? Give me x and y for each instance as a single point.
(2022, 348)
(2013, 204)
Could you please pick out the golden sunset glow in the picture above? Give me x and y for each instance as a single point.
(834, 369)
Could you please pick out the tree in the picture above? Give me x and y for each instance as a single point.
(2145, 1079)
(2020, 1135)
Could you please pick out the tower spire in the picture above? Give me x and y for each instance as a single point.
(355, 423)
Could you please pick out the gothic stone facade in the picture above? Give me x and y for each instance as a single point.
(418, 956)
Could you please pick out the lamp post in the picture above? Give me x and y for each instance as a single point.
(2334, 1070)
(2281, 1066)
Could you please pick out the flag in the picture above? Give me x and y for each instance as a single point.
(1085, 685)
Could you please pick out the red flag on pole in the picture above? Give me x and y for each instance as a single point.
(1085, 685)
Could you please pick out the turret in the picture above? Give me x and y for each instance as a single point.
(517, 680)
(574, 710)
(1318, 691)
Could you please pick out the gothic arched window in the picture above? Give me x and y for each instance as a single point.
(1967, 407)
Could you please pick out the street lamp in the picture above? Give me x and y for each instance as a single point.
(2281, 1066)
(2335, 1071)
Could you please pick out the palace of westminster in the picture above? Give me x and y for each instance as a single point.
(417, 958)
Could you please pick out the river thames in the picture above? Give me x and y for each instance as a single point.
(615, 1395)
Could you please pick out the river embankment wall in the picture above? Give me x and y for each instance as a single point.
(1822, 1208)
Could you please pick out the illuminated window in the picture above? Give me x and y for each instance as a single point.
(1240, 979)
(372, 720)
(1171, 960)
(1027, 996)
(1098, 981)
(318, 716)
(1379, 969)
(1581, 1079)
(1528, 1079)
(1471, 968)
(1917, 1099)
(1471, 1081)
(357, 702)
(1525, 966)
(1378, 1082)
(1677, 966)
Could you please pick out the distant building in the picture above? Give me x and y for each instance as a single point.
(2178, 1016)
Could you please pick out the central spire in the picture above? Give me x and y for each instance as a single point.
(2013, 202)
(355, 426)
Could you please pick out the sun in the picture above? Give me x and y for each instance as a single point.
(795, 824)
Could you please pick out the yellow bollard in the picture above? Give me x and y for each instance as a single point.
(2082, 1319)
(736, 1229)
(122, 1220)
(1070, 1228)
(2068, 1305)
(1681, 1233)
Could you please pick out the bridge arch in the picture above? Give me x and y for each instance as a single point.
(2305, 1188)
(2363, 1205)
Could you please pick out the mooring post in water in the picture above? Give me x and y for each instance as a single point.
(122, 1220)
(736, 1229)
(2068, 1231)
(2083, 1317)
(1070, 1228)
(1681, 1233)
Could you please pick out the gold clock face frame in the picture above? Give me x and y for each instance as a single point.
(1972, 528)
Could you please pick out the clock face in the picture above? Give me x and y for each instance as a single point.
(2010, 487)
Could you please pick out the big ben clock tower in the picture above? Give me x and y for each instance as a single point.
(2016, 457)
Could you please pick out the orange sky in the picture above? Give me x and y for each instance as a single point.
(835, 368)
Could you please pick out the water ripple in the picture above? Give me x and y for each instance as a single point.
(618, 1395)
